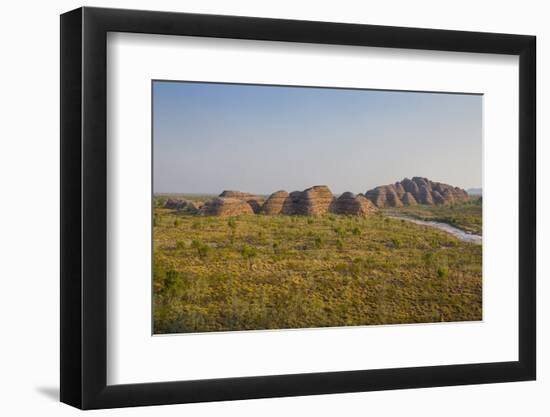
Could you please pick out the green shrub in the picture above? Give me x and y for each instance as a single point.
(397, 243)
(339, 231)
(166, 280)
(318, 241)
(232, 223)
(442, 272)
(159, 201)
(341, 267)
(202, 249)
(428, 258)
(248, 252)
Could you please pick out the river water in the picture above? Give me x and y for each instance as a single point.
(458, 233)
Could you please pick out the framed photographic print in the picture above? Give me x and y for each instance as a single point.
(258, 207)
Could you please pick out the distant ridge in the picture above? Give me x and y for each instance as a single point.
(474, 191)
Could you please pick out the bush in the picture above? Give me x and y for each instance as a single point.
(180, 244)
(202, 248)
(442, 272)
(397, 243)
(160, 201)
(317, 242)
(428, 258)
(232, 223)
(356, 231)
(248, 252)
(341, 267)
(167, 280)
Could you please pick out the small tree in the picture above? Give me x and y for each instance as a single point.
(202, 248)
(318, 241)
(339, 231)
(428, 258)
(442, 272)
(232, 223)
(248, 253)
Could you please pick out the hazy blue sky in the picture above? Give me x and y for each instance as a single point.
(211, 137)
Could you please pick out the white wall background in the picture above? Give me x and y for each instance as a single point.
(29, 225)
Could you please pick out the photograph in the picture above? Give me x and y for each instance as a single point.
(291, 207)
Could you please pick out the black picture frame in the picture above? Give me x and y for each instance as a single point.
(84, 207)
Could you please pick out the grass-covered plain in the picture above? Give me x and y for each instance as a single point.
(275, 272)
(466, 216)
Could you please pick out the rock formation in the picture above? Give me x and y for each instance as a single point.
(448, 195)
(314, 201)
(274, 203)
(366, 206)
(224, 207)
(183, 206)
(175, 203)
(292, 202)
(190, 207)
(377, 196)
(318, 200)
(437, 198)
(393, 199)
(399, 189)
(410, 186)
(424, 195)
(408, 199)
(351, 204)
(413, 191)
(256, 204)
(253, 200)
(236, 194)
(385, 196)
